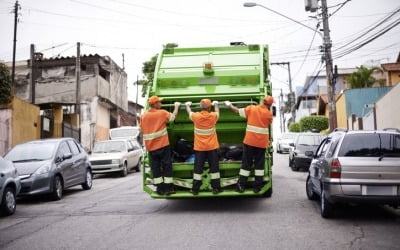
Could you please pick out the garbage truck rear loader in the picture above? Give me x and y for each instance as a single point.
(239, 74)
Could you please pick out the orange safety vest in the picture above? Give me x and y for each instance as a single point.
(258, 120)
(154, 129)
(205, 135)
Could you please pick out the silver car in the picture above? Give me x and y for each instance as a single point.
(355, 167)
(10, 185)
(116, 156)
(283, 144)
(49, 166)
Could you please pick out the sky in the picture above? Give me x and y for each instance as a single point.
(138, 29)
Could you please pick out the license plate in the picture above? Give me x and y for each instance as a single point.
(379, 190)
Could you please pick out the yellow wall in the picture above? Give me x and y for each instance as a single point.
(58, 119)
(394, 77)
(25, 121)
(341, 112)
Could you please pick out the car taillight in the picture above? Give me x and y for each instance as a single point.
(336, 170)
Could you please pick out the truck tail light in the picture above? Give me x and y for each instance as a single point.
(336, 169)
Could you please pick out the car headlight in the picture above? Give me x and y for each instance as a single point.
(115, 161)
(43, 170)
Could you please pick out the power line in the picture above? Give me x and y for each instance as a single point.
(341, 6)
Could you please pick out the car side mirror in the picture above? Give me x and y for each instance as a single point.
(273, 111)
(309, 154)
(67, 156)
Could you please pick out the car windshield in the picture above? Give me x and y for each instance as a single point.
(109, 147)
(289, 136)
(370, 145)
(31, 152)
(309, 140)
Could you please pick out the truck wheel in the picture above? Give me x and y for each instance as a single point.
(88, 180)
(326, 206)
(57, 188)
(8, 201)
(311, 195)
(124, 171)
(268, 194)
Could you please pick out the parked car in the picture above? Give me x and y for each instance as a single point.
(10, 185)
(355, 166)
(116, 156)
(306, 141)
(51, 165)
(283, 143)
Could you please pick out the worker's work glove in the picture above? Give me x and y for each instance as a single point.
(177, 104)
(214, 103)
(228, 103)
(188, 104)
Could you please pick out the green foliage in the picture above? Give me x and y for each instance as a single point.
(295, 127)
(314, 122)
(363, 78)
(5, 84)
(149, 68)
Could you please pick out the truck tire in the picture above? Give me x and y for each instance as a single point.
(8, 201)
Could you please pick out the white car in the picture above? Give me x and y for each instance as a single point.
(283, 143)
(116, 156)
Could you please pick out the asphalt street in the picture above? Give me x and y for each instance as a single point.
(117, 214)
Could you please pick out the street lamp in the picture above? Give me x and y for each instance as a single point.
(327, 55)
(250, 4)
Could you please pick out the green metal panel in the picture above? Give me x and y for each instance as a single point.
(239, 74)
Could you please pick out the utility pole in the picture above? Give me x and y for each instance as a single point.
(16, 8)
(32, 74)
(329, 67)
(78, 87)
(291, 97)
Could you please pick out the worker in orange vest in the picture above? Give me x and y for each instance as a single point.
(205, 144)
(256, 141)
(155, 135)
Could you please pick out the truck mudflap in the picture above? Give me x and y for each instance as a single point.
(228, 184)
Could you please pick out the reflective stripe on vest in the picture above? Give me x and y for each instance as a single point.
(168, 180)
(215, 176)
(201, 131)
(155, 135)
(244, 172)
(197, 177)
(242, 113)
(157, 180)
(258, 130)
(259, 172)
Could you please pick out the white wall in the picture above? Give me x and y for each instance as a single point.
(387, 109)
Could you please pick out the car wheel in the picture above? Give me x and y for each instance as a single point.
(8, 201)
(293, 165)
(88, 180)
(138, 166)
(311, 195)
(124, 171)
(57, 188)
(326, 206)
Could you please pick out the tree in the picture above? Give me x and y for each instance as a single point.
(314, 122)
(149, 68)
(295, 127)
(363, 78)
(5, 84)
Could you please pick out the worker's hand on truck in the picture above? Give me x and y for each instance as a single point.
(228, 103)
(177, 104)
(214, 103)
(188, 104)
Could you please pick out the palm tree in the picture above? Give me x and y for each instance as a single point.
(363, 78)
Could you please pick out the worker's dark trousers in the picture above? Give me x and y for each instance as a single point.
(161, 164)
(213, 161)
(252, 155)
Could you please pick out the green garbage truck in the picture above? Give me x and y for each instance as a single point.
(238, 73)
